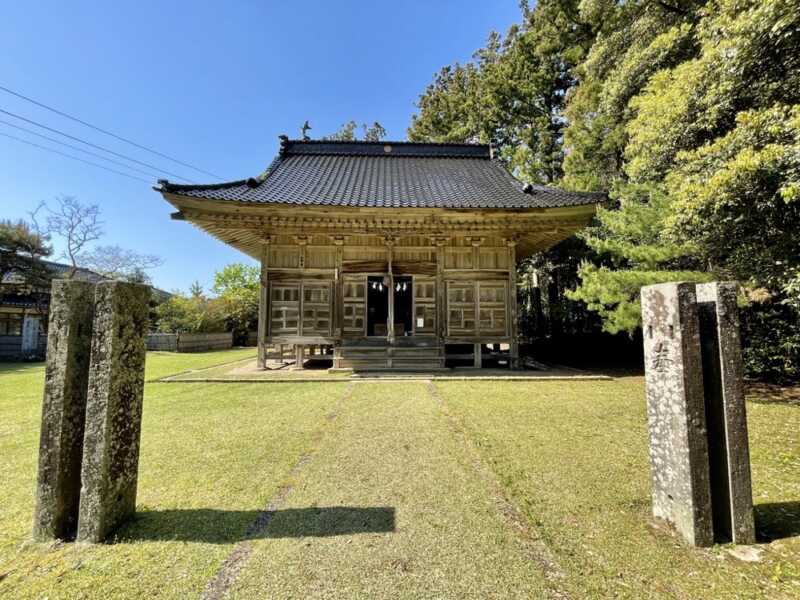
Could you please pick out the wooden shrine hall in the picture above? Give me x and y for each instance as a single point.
(387, 255)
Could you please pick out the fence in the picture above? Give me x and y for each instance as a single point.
(189, 342)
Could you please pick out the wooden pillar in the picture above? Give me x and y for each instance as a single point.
(512, 302)
(441, 298)
(477, 351)
(263, 305)
(389, 241)
(299, 356)
(338, 288)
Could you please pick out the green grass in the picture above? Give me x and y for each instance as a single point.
(484, 489)
(211, 457)
(573, 457)
(392, 449)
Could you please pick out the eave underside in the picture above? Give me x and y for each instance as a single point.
(247, 227)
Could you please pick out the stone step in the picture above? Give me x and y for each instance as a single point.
(396, 363)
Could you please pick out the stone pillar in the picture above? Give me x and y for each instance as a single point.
(114, 409)
(63, 408)
(696, 412)
(726, 419)
(675, 410)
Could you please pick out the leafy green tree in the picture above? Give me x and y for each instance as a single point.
(191, 314)
(513, 93)
(631, 242)
(374, 132)
(237, 287)
(347, 132)
(704, 110)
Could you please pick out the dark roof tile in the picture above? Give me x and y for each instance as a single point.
(389, 175)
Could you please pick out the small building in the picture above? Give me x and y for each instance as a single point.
(388, 254)
(23, 309)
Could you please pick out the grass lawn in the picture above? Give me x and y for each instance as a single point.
(394, 489)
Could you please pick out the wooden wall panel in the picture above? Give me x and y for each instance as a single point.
(492, 309)
(461, 309)
(284, 257)
(458, 258)
(493, 258)
(284, 308)
(321, 257)
(316, 309)
(424, 309)
(477, 308)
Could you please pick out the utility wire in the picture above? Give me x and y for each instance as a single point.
(77, 139)
(89, 152)
(114, 135)
(88, 162)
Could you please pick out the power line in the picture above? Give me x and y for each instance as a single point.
(89, 152)
(77, 139)
(106, 132)
(88, 162)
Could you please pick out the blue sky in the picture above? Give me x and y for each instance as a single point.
(212, 84)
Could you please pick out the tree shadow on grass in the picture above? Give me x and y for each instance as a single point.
(213, 526)
(777, 520)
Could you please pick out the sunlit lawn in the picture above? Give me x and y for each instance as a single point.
(394, 499)
(211, 457)
(574, 458)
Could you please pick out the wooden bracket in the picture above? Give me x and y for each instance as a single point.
(302, 240)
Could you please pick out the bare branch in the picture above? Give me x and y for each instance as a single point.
(77, 224)
(119, 263)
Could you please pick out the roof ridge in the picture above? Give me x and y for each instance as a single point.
(168, 186)
(385, 142)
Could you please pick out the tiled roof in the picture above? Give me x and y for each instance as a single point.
(57, 270)
(388, 175)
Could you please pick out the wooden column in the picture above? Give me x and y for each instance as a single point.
(338, 288)
(299, 356)
(389, 242)
(512, 301)
(263, 305)
(440, 294)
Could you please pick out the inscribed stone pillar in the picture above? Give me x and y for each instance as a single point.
(729, 454)
(114, 409)
(63, 407)
(675, 410)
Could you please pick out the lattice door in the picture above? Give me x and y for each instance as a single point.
(424, 305)
(354, 307)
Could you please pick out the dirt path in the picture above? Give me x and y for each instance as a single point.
(392, 505)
